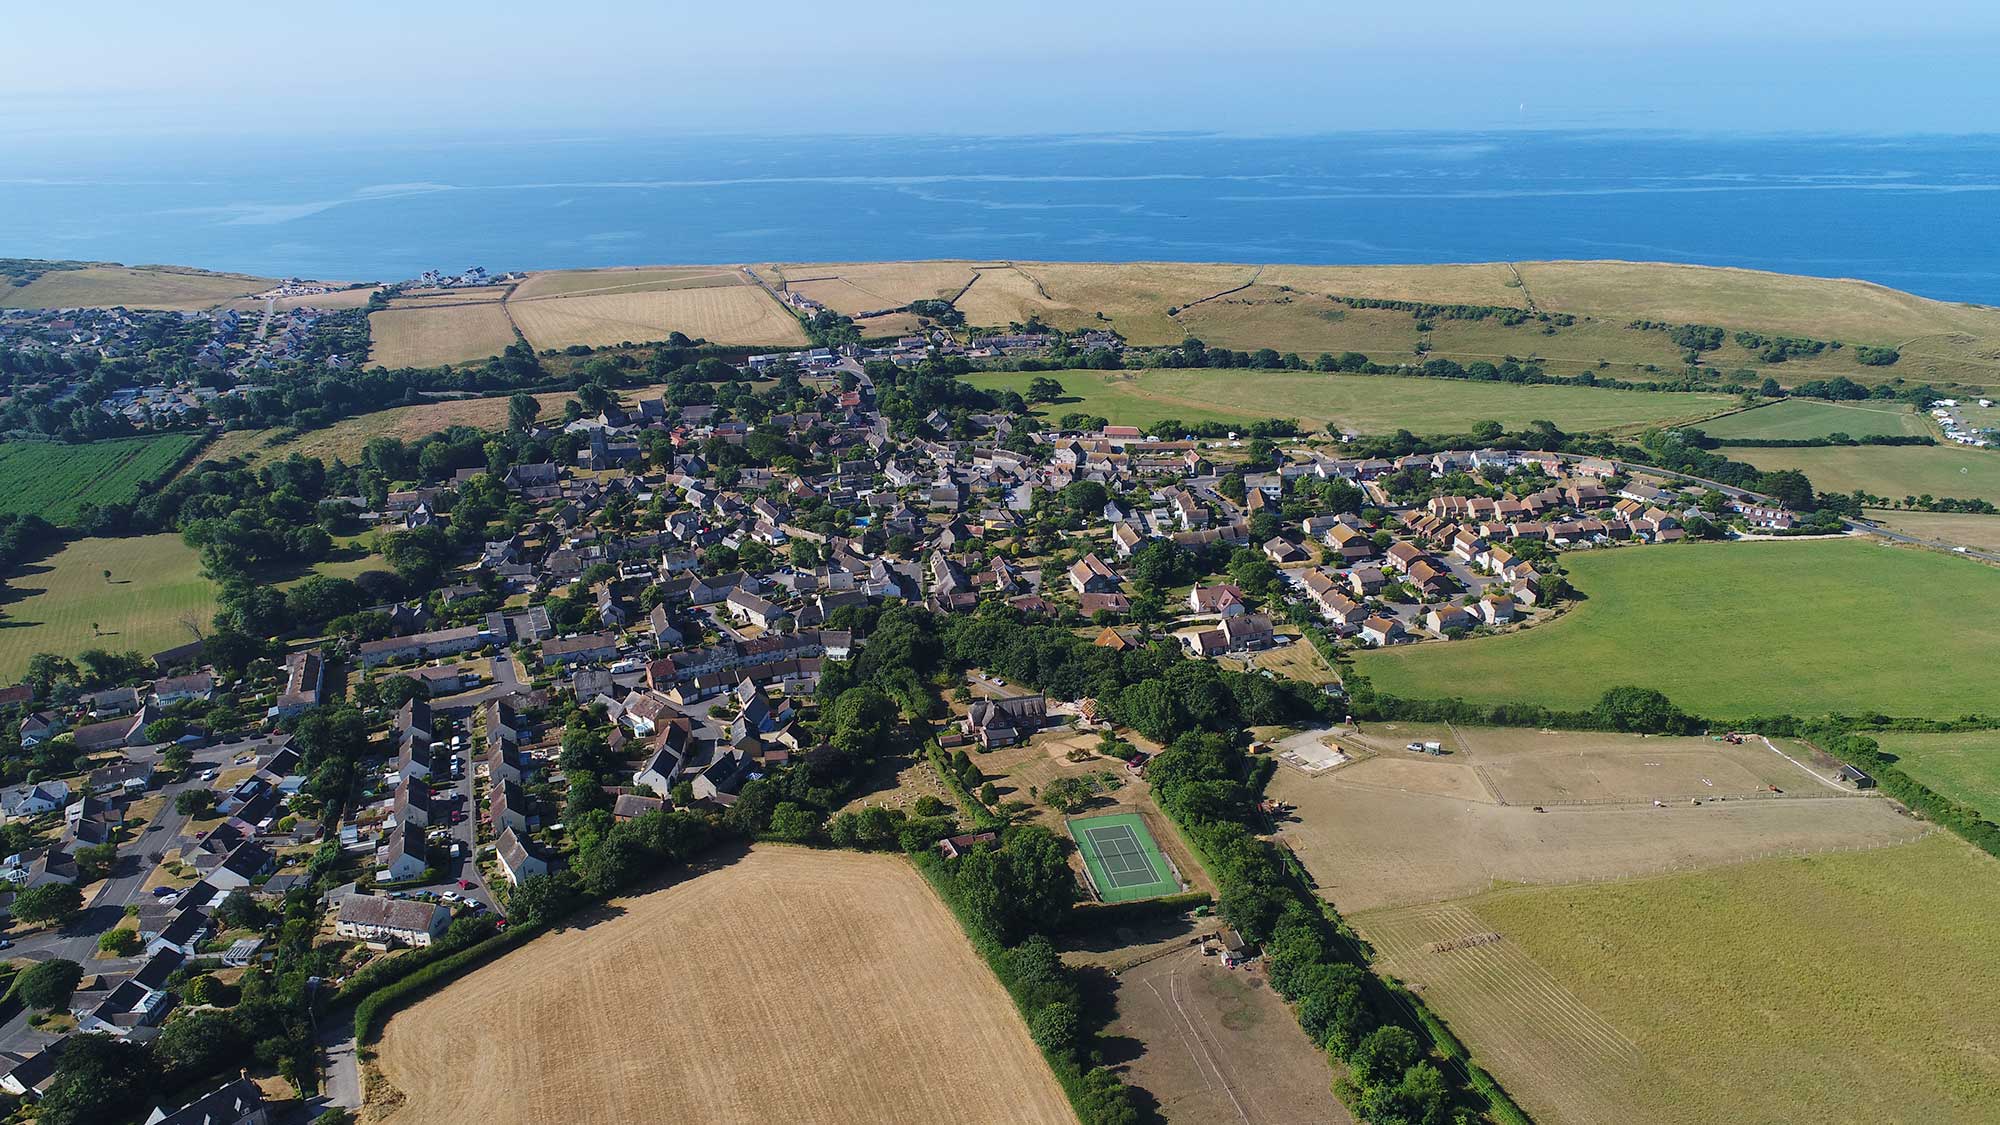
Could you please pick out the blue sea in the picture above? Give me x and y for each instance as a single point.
(1918, 213)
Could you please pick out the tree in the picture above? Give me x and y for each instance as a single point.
(194, 803)
(522, 410)
(94, 862)
(46, 986)
(46, 669)
(1043, 389)
(50, 902)
(121, 942)
(1384, 1054)
(540, 899)
(1067, 794)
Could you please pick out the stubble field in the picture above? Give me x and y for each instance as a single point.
(135, 287)
(1796, 418)
(724, 314)
(1891, 471)
(791, 985)
(1849, 986)
(430, 335)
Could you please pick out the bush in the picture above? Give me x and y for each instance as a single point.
(120, 942)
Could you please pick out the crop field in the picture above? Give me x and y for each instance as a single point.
(1846, 986)
(1529, 807)
(1798, 418)
(54, 481)
(1964, 766)
(1738, 629)
(1131, 298)
(1358, 403)
(1982, 532)
(858, 287)
(561, 283)
(64, 604)
(1219, 1045)
(725, 314)
(1891, 471)
(850, 995)
(434, 334)
(135, 287)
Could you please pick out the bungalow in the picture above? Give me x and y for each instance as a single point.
(380, 920)
(128, 731)
(439, 642)
(516, 861)
(22, 801)
(629, 806)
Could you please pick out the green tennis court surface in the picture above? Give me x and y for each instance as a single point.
(1123, 861)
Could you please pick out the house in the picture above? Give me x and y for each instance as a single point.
(439, 642)
(1495, 609)
(381, 920)
(122, 777)
(582, 649)
(305, 679)
(995, 723)
(169, 690)
(720, 779)
(1352, 543)
(128, 731)
(114, 701)
(412, 803)
(1448, 619)
(1247, 632)
(40, 727)
(414, 725)
(405, 856)
(22, 801)
(1402, 556)
(1366, 581)
(631, 805)
(508, 807)
(1382, 630)
(516, 861)
(751, 609)
(1226, 599)
(1284, 552)
(1090, 575)
(237, 1103)
(243, 865)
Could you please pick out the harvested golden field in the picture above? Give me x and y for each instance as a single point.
(345, 438)
(420, 298)
(1848, 987)
(339, 299)
(792, 985)
(1473, 283)
(1980, 532)
(1853, 311)
(136, 287)
(1130, 298)
(727, 314)
(563, 283)
(858, 287)
(430, 335)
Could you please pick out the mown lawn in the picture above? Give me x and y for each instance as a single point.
(1360, 403)
(1731, 630)
(1844, 987)
(51, 606)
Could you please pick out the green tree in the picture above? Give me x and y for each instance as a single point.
(121, 942)
(50, 902)
(194, 803)
(1041, 388)
(47, 985)
(522, 410)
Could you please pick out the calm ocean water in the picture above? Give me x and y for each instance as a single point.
(1916, 213)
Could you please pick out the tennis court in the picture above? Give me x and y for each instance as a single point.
(1121, 857)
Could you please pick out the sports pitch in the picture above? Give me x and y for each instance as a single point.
(1123, 861)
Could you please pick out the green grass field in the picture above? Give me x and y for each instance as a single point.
(51, 605)
(1731, 630)
(1853, 986)
(1891, 471)
(1797, 418)
(54, 481)
(1124, 860)
(1359, 403)
(1964, 767)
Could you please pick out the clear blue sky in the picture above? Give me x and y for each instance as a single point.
(1004, 66)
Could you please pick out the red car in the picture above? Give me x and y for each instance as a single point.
(465, 884)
